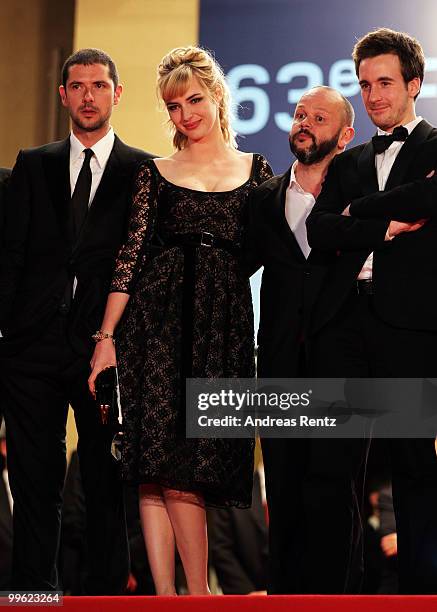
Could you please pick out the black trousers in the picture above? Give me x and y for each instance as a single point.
(357, 343)
(314, 494)
(38, 384)
(314, 514)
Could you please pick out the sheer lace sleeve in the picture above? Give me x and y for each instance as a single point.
(263, 170)
(141, 225)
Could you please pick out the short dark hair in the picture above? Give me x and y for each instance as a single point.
(86, 57)
(383, 40)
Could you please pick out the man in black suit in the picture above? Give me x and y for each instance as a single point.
(55, 271)
(292, 276)
(377, 314)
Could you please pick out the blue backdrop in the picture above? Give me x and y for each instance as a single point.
(273, 50)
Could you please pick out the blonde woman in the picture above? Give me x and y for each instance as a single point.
(186, 311)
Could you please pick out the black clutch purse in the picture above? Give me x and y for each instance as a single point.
(106, 398)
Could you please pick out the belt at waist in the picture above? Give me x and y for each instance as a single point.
(203, 239)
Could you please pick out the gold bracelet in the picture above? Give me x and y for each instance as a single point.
(101, 335)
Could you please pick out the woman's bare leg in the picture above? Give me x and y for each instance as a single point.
(186, 511)
(159, 538)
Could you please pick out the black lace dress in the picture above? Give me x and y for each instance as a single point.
(150, 337)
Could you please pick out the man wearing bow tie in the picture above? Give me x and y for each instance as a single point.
(377, 314)
(66, 219)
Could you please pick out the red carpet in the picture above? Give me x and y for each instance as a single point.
(228, 603)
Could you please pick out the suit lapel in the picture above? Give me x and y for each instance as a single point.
(281, 223)
(114, 172)
(56, 164)
(407, 154)
(367, 170)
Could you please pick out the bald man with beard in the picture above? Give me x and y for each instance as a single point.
(292, 276)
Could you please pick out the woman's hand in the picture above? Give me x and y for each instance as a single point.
(103, 357)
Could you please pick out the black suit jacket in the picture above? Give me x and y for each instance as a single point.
(5, 173)
(38, 258)
(290, 282)
(404, 269)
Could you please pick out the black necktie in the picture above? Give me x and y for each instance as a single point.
(382, 143)
(81, 194)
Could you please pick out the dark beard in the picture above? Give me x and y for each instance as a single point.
(90, 127)
(316, 152)
(98, 123)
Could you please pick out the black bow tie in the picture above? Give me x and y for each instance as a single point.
(382, 143)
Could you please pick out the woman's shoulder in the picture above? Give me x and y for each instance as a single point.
(259, 158)
(261, 169)
(164, 164)
(147, 175)
(146, 165)
(150, 169)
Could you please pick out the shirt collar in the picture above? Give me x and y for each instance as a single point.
(410, 127)
(101, 149)
(294, 183)
(293, 179)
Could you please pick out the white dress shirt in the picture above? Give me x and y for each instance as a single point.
(383, 163)
(102, 150)
(298, 205)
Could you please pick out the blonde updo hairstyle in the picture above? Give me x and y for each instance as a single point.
(175, 71)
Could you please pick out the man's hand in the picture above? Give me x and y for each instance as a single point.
(346, 212)
(399, 227)
(389, 544)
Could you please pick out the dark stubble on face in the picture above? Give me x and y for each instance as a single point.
(90, 127)
(316, 152)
